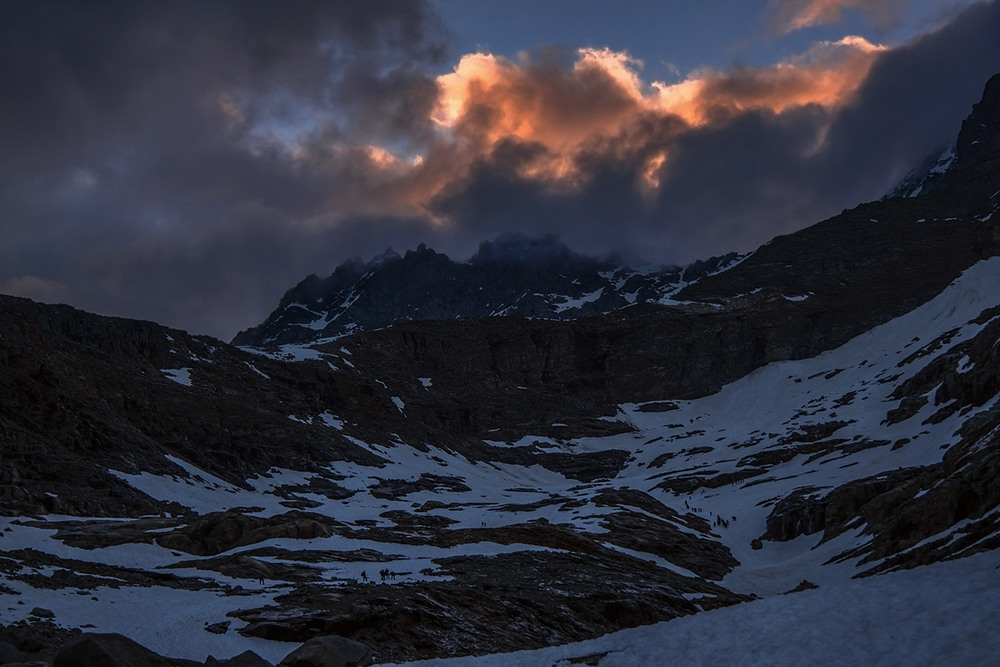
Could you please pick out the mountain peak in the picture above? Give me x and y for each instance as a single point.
(978, 140)
(979, 137)
(388, 255)
(521, 248)
(516, 274)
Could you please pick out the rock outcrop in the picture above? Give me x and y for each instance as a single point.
(514, 275)
(329, 651)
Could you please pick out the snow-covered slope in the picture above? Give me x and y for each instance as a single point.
(710, 471)
(946, 614)
(923, 178)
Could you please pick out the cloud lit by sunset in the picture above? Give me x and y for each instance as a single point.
(166, 160)
(791, 15)
(599, 103)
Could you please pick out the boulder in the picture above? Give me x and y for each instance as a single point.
(329, 651)
(107, 650)
(245, 659)
(10, 654)
(217, 532)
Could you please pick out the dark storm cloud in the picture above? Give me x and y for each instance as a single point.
(189, 161)
(744, 176)
(157, 159)
(914, 100)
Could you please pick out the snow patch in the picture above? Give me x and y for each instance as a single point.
(178, 375)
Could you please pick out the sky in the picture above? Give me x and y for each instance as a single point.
(187, 162)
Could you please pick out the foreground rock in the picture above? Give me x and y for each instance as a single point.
(109, 650)
(330, 651)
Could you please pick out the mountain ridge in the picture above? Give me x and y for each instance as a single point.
(542, 278)
(512, 275)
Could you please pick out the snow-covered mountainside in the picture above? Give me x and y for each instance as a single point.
(825, 414)
(514, 275)
(977, 139)
(923, 178)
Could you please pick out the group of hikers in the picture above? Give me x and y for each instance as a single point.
(384, 574)
(719, 521)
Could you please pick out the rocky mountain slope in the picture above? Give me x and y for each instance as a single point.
(514, 275)
(827, 408)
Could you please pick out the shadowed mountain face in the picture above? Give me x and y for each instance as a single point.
(425, 455)
(514, 275)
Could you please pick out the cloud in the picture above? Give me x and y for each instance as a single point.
(790, 15)
(142, 138)
(33, 287)
(187, 162)
(582, 138)
(550, 119)
(723, 160)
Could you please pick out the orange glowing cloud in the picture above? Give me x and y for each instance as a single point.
(487, 98)
(791, 15)
(552, 122)
(827, 75)
(566, 111)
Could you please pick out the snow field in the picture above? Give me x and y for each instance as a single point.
(945, 610)
(944, 614)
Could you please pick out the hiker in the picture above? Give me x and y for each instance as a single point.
(364, 576)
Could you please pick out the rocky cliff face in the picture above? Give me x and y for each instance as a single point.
(978, 141)
(979, 138)
(826, 408)
(514, 275)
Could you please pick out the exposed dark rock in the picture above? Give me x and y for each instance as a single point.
(10, 654)
(586, 466)
(514, 275)
(682, 484)
(657, 406)
(217, 532)
(397, 488)
(805, 511)
(245, 659)
(804, 585)
(489, 604)
(97, 534)
(23, 565)
(979, 138)
(108, 650)
(37, 638)
(85, 393)
(800, 513)
(329, 651)
(220, 628)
